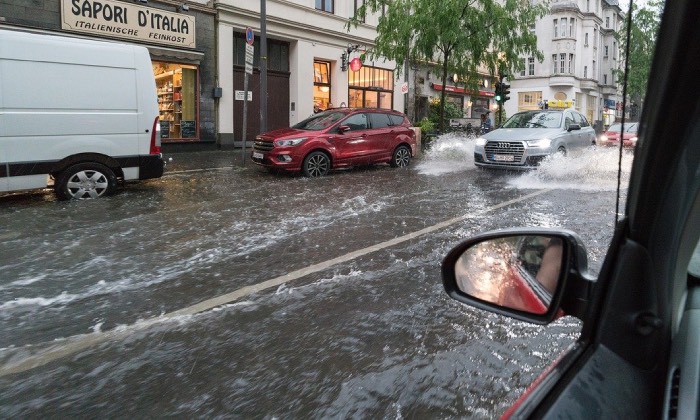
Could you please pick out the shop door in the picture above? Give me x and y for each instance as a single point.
(277, 103)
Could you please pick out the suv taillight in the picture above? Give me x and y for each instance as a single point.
(155, 137)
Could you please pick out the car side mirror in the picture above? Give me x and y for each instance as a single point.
(343, 129)
(574, 127)
(533, 275)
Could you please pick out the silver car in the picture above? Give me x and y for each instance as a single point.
(530, 136)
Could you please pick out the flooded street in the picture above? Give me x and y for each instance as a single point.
(233, 292)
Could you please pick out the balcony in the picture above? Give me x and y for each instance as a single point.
(561, 80)
(589, 85)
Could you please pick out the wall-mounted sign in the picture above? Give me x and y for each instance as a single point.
(240, 95)
(116, 19)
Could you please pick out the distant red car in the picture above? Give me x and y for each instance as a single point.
(338, 138)
(612, 136)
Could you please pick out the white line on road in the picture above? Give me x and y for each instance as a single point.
(189, 171)
(78, 343)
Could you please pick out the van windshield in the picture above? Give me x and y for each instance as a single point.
(320, 121)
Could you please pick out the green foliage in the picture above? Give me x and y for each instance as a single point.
(643, 34)
(460, 35)
(426, 126)
(450, 111)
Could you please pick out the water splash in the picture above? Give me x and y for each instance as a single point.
(595, 169)
(451, 152)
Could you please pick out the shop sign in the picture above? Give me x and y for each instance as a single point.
(116, 19)
(610, 103)
(240, 95)
(456, 89)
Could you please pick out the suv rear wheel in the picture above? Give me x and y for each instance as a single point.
(401, 157)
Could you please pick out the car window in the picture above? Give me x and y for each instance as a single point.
(569, 120)
(535, 119)
(379, 120)
(396, 119)
(356, 122)
(580, 119)
(320, 121)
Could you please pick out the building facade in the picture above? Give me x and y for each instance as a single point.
(580, 53)
(306, 42)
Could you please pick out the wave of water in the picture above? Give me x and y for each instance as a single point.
(594, 169)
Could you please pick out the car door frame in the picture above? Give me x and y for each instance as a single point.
(619, 367)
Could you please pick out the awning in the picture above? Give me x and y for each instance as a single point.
(456, 89)
(172, 54)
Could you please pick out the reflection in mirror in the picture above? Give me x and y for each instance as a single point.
(519, 272)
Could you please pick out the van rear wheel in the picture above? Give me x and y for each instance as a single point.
(85, 180)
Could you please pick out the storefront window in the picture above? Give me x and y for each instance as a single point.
(322, 84)
(371, 87)
(176, 85)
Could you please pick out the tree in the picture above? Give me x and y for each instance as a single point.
(461, 35)
(644, 30)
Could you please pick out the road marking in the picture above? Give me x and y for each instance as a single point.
(81, 342)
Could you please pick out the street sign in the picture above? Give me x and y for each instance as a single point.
(240, 95)
(249, 37)
(249, 53)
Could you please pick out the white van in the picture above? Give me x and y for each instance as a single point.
(79, 114)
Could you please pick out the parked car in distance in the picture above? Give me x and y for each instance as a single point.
(612, 136)
(528, 137)
(338, 138)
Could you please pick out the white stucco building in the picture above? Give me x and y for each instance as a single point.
(580, 52)
(306, 40)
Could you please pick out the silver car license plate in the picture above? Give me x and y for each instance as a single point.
(504, 158)
(257, 155)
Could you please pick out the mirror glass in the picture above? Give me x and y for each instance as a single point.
(518, 272)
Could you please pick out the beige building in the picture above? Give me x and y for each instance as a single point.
(580, 53)
(306, 41)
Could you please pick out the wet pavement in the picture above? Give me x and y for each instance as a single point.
(331, 303)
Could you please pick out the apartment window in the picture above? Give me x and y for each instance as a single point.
(614, 51)
(532, 28)
(556, 28)
(571, 64)
(562, 62)
(585, 38)
(529, 100)
(563, 27)
(358, 4)
(607, 22)
(571, 27)
(522, 72)
(594, 70)
(554, 64)
(588, 5)
(531, 66)
(325, 5)
(605, 55)
(585, 72)
(605, 79)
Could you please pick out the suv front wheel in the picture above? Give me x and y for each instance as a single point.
(316, 164)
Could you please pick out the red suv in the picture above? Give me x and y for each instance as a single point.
(338, 138)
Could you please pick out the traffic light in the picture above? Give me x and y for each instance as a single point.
(499, 92)
(505, 90)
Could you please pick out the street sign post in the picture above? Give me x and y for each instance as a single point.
(249, 55)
